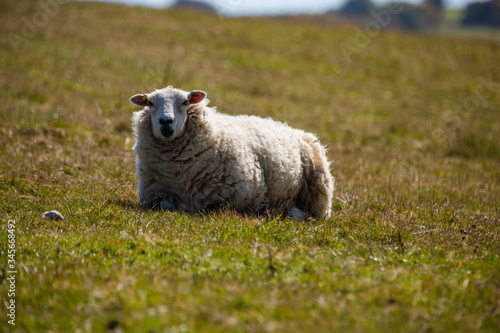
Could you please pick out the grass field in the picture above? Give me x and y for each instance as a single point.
(411, 122)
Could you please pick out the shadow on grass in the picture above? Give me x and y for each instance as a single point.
(127, 204)
(220, 209)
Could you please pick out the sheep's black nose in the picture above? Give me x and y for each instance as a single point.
(167, 121)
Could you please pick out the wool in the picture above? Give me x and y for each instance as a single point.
(211, 159)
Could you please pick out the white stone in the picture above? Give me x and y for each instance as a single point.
(53, 215)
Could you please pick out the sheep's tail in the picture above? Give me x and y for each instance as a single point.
(316, 194)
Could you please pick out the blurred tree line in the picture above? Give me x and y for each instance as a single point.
(427, 15)
(483, 14)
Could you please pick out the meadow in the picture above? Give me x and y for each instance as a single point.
(411, 122)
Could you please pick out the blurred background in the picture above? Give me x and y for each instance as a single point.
(417, 14)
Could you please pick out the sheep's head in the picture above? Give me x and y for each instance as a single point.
(169, 108)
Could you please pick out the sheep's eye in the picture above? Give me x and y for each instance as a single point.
(151, 104)
(185, 102)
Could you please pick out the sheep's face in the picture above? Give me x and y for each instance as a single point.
(168, 108)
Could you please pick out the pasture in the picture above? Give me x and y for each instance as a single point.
(411, 123)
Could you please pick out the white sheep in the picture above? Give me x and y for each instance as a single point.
(192, 158)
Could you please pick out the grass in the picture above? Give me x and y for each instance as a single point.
(413, 246)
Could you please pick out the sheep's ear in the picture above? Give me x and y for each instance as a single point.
(196, 96)
(140, 100)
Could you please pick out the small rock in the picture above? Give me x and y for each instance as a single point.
(53, 215)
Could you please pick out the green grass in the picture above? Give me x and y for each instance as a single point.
(414, 248)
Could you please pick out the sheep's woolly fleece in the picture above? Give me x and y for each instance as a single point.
(206, 159)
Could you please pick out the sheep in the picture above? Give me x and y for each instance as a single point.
(192, 158)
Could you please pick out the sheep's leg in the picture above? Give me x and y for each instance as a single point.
(154, 196)
(147, 197)
(144, 196)
(148, 192)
